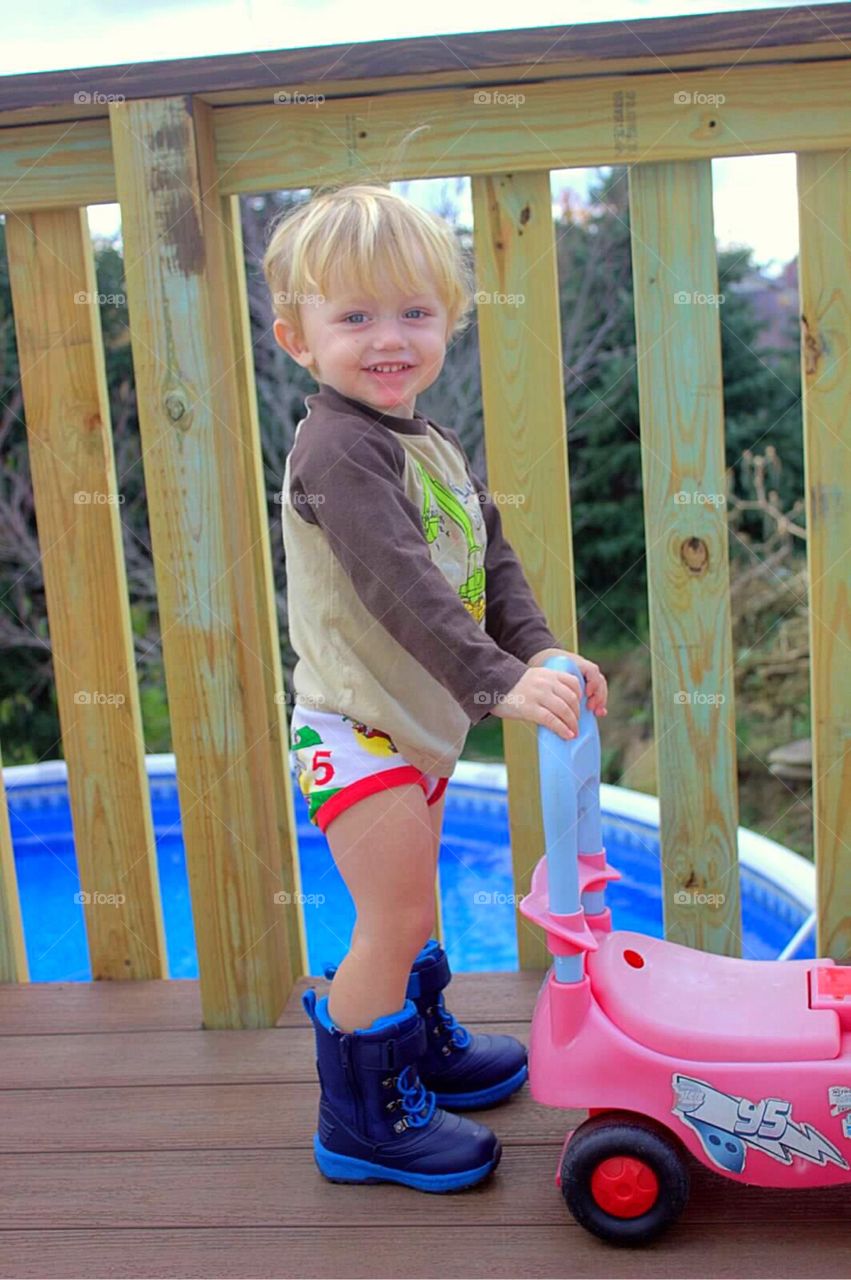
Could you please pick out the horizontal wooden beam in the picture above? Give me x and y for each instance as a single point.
(651, 41)
(462, 76)
(615, 120)
(51, 166)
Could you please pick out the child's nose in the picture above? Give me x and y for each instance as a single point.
(388, 335)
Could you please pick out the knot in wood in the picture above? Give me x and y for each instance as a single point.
(694, 554)
(175, 406)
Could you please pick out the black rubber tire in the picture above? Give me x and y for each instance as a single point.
(622, 1133)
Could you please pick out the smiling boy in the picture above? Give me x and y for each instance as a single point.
(412, 619)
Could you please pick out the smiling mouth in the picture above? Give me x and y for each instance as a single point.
(388, 368)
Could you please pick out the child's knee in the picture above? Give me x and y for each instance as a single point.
(419, 927)
(404, 931)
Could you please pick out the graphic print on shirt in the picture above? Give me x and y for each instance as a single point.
(438, 497)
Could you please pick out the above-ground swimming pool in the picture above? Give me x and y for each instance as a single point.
(477, 903)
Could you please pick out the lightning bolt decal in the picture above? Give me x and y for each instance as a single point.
(727, 1125)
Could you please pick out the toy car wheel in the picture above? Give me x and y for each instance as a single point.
(623, 1178)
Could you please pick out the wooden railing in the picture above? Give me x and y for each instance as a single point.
(176, 143)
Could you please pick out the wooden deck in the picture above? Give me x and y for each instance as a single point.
(136, 1144)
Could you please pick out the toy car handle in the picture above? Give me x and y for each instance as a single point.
(570, 797)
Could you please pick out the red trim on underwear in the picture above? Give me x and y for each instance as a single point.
(355, 791)
(438, 791)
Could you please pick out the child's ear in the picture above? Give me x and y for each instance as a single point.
(287, 338)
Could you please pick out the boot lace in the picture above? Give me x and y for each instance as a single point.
(417, 1102)
(447, 1024)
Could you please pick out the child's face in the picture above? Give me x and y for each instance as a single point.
(346, 334)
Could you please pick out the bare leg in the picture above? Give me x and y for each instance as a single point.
(435, 816)
(384, 848)
(435, 813)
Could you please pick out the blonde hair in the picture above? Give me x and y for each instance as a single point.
(357, 232)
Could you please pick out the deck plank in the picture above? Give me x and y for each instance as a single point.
(816, 1251)
(142, 1118)
(274, 1188)
(125, 1058)
(46, 1008)
(135, 1143)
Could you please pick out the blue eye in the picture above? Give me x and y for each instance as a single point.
(354, 314)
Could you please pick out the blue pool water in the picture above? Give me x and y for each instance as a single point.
(475, 879)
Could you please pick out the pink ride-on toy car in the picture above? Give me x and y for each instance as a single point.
(746, 1064)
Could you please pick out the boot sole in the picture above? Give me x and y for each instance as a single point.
(340, 1168)
(482, 1097)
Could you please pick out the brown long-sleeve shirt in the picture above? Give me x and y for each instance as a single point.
(408, 609)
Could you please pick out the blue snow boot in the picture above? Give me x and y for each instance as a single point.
(377, 1121)
(465, 1071)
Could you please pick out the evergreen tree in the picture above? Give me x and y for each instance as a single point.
(761, 403)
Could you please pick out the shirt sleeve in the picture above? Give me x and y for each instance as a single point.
(512, 615)
(349, 482)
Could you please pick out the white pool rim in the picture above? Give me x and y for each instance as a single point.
(775, 862)
(781, 866)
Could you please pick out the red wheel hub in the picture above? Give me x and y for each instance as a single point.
(624, 1186)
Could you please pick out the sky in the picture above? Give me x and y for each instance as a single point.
(754, 196)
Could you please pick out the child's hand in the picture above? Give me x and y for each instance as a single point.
(596, 689)
(550, 698)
